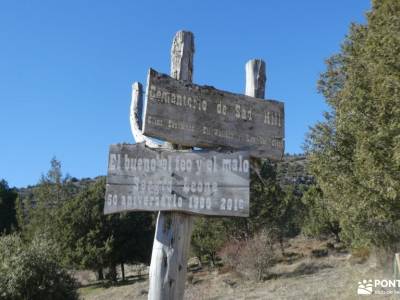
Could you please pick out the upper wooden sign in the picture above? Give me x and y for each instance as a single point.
(202, 116)
(202, 182)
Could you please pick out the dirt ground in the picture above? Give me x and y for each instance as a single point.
(335, 275)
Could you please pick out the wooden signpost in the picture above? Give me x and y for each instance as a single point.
(201, 182)
(202, 116)
(177, 181)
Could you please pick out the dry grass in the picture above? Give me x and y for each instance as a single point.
(298, 275)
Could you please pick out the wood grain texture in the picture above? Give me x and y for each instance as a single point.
(171, 245)
(255, 87)
(202, 116)
(255, 78)
(200, 182)
(135, 116)
(182, 52)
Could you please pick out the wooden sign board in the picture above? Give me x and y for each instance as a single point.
(200, 182)
(201, 116)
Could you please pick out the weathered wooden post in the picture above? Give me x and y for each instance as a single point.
(255, 87)
(255, 78)
(173, 230)
(396, 265)
(176, 181)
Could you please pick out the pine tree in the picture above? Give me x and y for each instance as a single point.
(355, 152)
(92, 240)
(82, 230)
(209, 235)
(51, 193)
(8, 197)
(320, 219)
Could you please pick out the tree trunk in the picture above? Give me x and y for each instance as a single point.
(112, 272)
(123, 271)
(281, 244)
(100, 275)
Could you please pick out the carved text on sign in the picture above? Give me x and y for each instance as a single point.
(205, 182)
(202, 116)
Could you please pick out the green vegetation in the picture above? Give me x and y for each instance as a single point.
(30, 271)
(62, 226)
(320, 219)
(275, 208)
(355, 153)
(348, 187)
(8, 197)
(37, 213)
(207, 238)
(352, 190)
(91, 240)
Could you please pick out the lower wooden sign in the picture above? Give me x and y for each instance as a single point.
(199, 182)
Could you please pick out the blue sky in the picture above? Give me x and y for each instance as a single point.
(66, 68)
